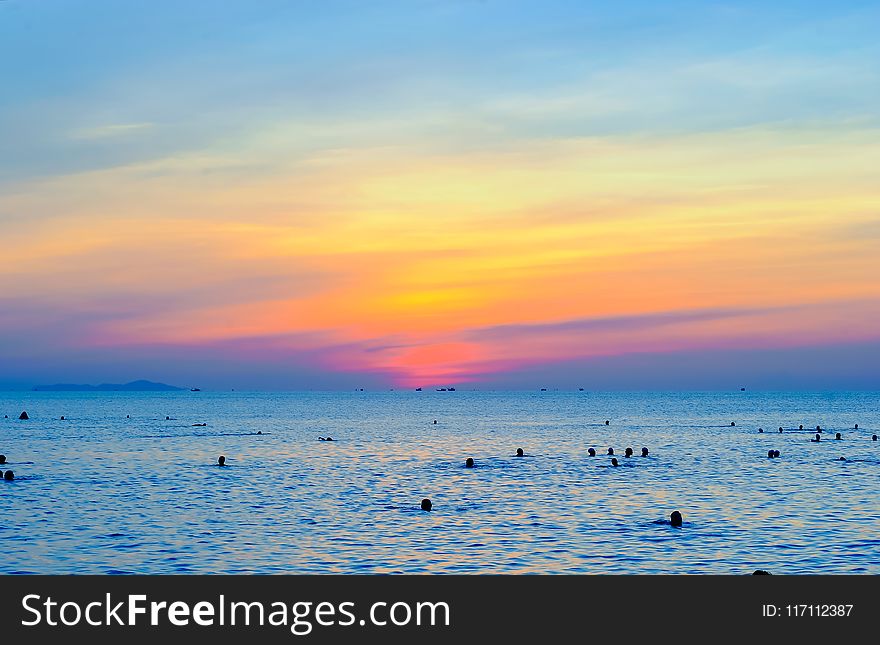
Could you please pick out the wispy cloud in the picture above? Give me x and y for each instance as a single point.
(110, 131)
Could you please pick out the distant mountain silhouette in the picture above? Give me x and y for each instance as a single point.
(134, 386)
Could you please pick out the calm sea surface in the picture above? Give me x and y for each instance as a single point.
(100, 493)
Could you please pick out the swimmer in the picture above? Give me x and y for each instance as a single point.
(801, 427)
(873, 437)
(780, 429)
(62, 417)
(837, 436)
(221, 460)
(841, 459)
(469, 463)
(426, 504)
(607, 422)
(816, 440)
(9, 476)
(435, 421)
(675, 518)
(733, 423)
(628, 452)
(760, 429)
(611, 451)
(519, 452)
(857, 427)
(591, 452)
(771, 454)
(614, 461)
(2, 459)
(644, 452)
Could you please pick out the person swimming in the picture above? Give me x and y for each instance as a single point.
(221, 460)
(837, 436)
(841, 459)
(873, 437)
(2, 459)
(771, 454)
(816, 440)
(591, 452)
(760, 429)
(168, 418)
(62, 417)
(857, 427)
(628, 452)
(644, 452)
(519, 452)
(733, 423)
(607, 422)
(780, 429)
(469, 462)
(435, 421)
(611, 451)
(614, 461)
(818, 428)
(776, 453)
(675, 518)
(801, 427)
(426, 504)
(9, 475)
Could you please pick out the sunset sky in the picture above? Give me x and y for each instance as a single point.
(329, 195)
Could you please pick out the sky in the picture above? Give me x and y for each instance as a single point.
(282, 195)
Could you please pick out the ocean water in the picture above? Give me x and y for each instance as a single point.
(100, 493)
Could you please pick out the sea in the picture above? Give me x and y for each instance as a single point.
(128, 483)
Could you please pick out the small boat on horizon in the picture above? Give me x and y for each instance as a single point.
(418, 389)
(194, 389)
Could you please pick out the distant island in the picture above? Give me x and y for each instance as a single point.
(134, 386)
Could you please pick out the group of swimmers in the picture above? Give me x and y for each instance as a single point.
(8, 475)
